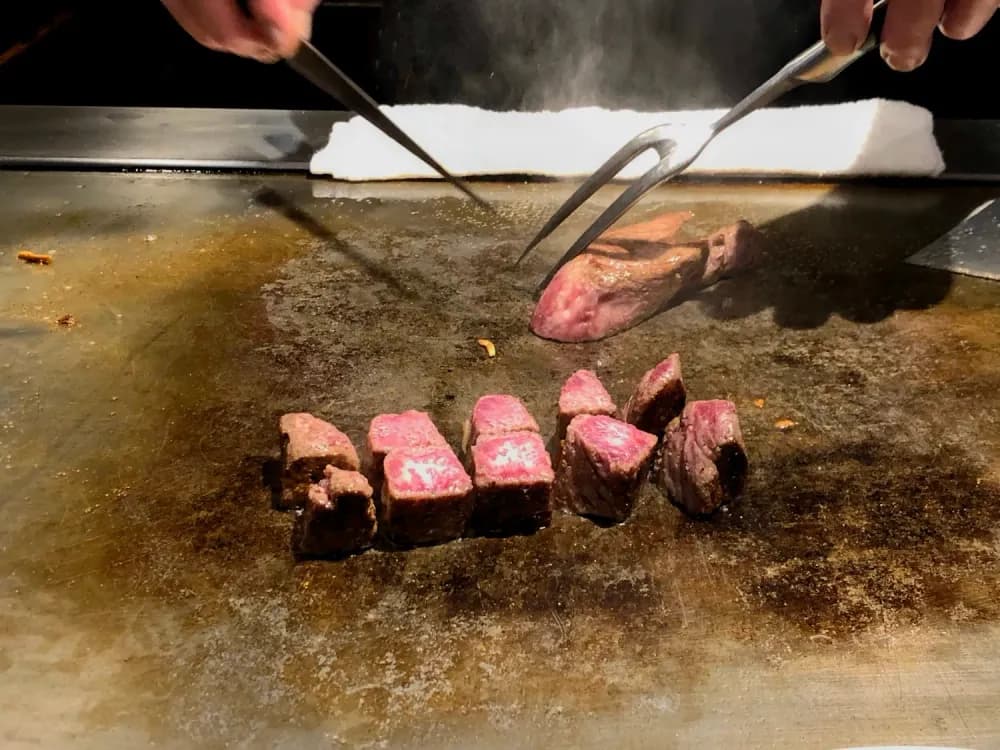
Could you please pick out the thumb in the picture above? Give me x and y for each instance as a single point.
(288, 22)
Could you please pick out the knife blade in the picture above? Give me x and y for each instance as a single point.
(312, 65)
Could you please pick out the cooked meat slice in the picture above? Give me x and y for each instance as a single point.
(704, 462)
(658, 397)
(582, 393)
(497, 414)
(308, 445)
(660, 228)
(620, 281)
(512, 475)
(388, 432)
(602, 466)
(426, 496)
(338, 518)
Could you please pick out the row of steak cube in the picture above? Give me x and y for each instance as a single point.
(413, 488)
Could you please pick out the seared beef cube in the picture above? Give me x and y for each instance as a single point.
(704, 461)
(426, 496)
(338, 518)
(513, 478)
(308, 445)
(602, 467)
(497, 415)
(658, 398)
(583, 393)
(388, 432)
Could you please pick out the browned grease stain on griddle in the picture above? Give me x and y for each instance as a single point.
(856, 521)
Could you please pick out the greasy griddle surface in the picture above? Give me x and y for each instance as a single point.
(154, 586)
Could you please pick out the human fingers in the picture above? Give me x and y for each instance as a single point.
(220, 25)
(908, 32)
(845, 24)
(964, 19)
(287, 22)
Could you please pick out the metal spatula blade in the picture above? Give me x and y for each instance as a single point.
(972, 248)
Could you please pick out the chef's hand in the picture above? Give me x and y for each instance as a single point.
(909, 26)
(274, 31)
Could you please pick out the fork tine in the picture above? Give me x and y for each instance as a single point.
(652, 138)
(655, 176)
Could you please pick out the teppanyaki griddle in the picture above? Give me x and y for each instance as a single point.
(849, 599)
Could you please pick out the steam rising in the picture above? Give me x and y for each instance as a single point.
(552, 54)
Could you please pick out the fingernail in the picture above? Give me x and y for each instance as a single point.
(955, 31)
(902, 62)
(842, 42)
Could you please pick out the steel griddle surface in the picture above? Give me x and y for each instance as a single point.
(149, 595)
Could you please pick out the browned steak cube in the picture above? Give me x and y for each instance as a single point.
(388, 432)
(704, 461)
(497, 415)
(308, 445)
(583, 393)
(513, 477)
(658, 398)
(602, 467)
(338, 518)
(426, 496)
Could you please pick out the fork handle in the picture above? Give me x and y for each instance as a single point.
(815, 65)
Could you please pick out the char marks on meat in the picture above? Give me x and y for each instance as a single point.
(338, 518)
(603, 463)
(704, 461)
(513, 477)
(308, 445)
(426, 496)
(658, 398)
(630, 274)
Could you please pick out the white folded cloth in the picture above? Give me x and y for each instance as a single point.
(874, 137)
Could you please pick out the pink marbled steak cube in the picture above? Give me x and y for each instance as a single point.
(582, 393)
(426, 495)
(704, 460)
(658, 397)
(603, 464)
(498, 414)
(389, 432)
(513, 478)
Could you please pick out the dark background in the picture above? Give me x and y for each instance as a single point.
(647, 54)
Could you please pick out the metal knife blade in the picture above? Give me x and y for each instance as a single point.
(310, 63)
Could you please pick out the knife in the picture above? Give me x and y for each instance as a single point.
(312, 65)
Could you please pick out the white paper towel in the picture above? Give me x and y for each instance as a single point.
(874, 137)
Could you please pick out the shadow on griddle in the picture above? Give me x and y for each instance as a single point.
(272, 199)
(845, 256)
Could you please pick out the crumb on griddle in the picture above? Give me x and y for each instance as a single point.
(37, 258)
(66, 321)
(489, 346)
